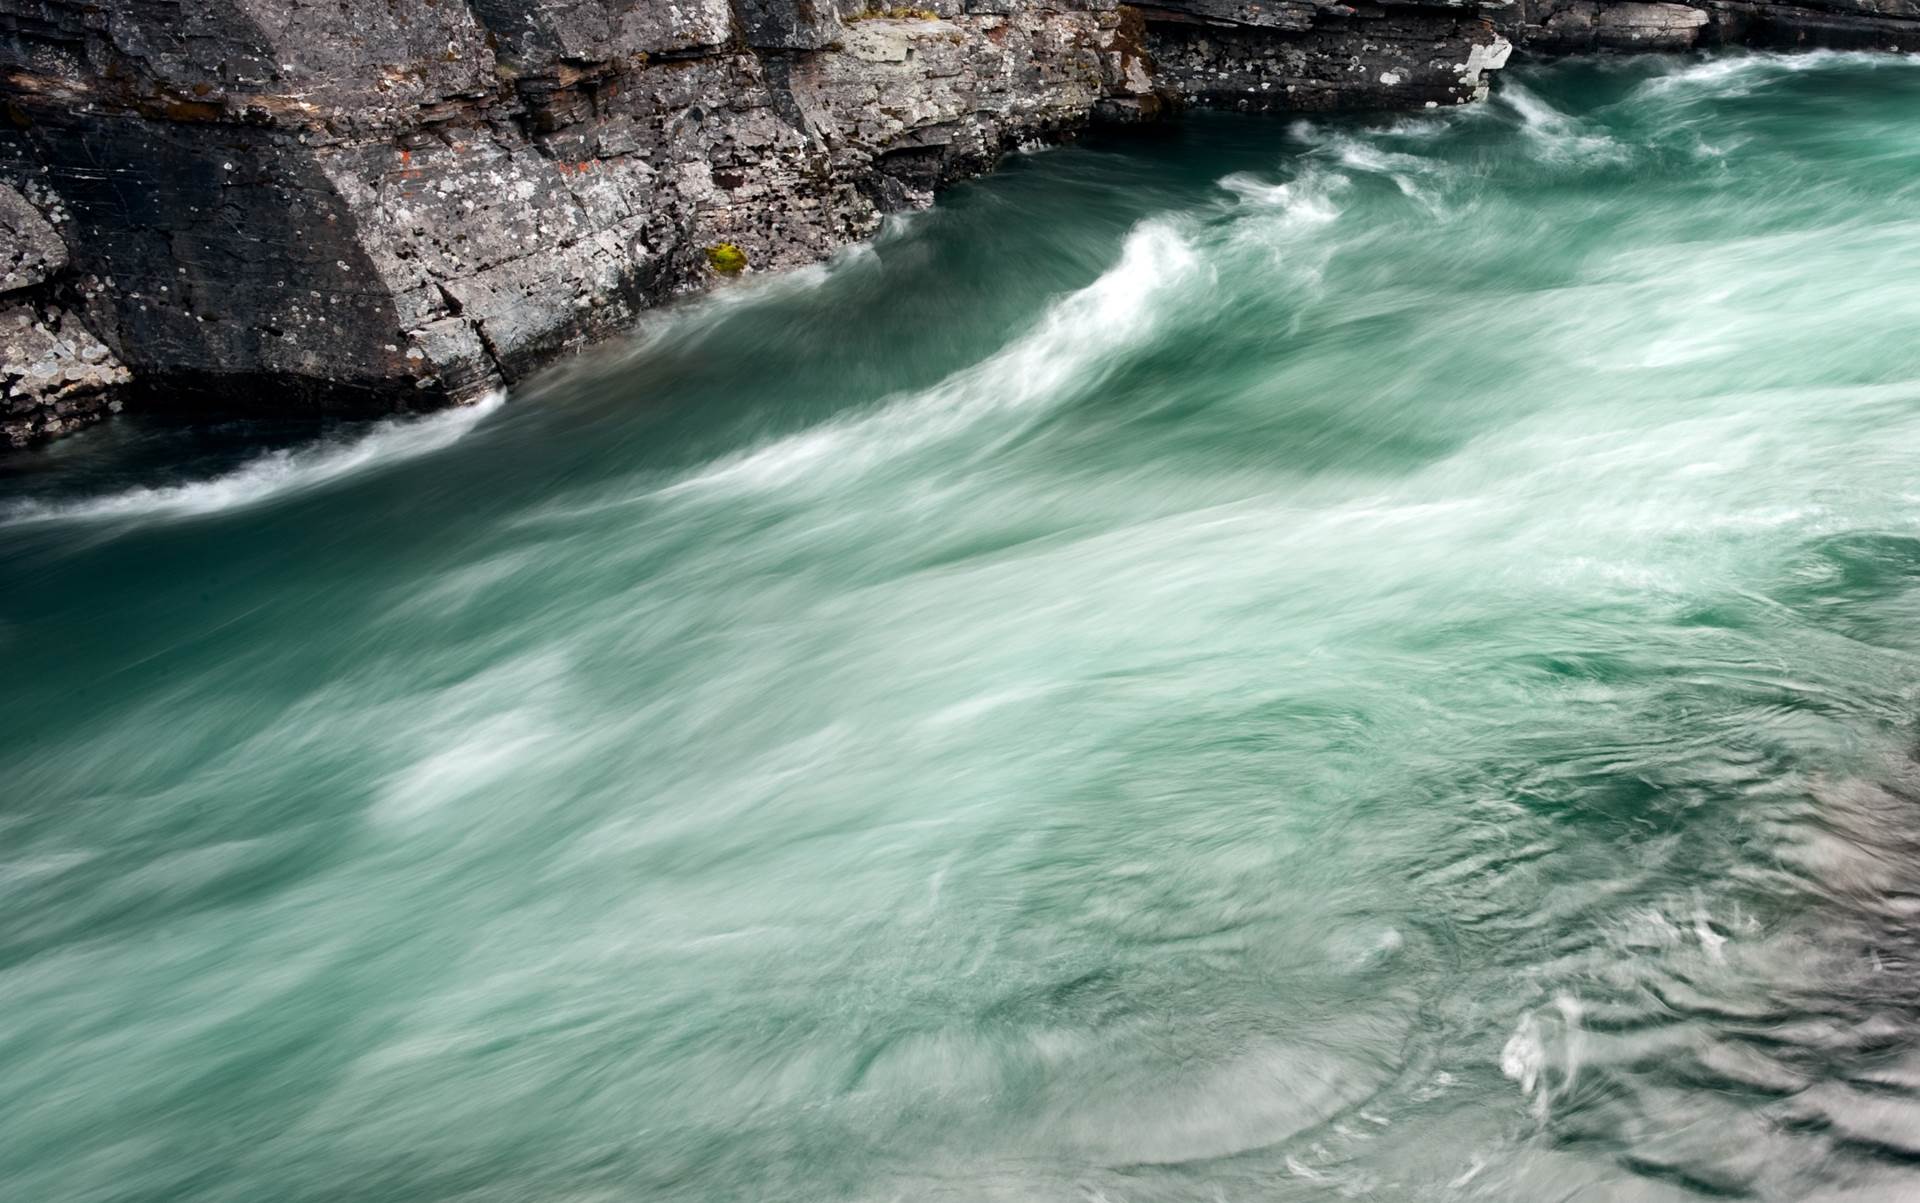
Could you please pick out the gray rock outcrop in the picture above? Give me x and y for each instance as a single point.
(1298, 55)
(1569, 26)
(337, 204)
(55, 376)
(1833, 24)
(262, 206)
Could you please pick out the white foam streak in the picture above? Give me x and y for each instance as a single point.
(1741, 74)
(1409, 172)
(1074, 344)
(276, 474)
(1556, 136)
(1305, 201)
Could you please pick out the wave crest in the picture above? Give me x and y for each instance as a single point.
(276, 474)
(1740, 74)
(1075, 343)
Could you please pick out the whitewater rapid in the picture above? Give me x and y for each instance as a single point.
(1291, 658)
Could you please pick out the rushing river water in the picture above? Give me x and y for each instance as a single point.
(1277, 660)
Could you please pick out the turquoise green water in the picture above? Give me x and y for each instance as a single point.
(1275, 661)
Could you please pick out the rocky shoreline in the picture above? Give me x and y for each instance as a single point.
(274, 206)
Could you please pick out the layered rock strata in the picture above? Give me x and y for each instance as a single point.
(1327, 55)
(1576, 25)
(1567, 26)
(1300, 55)
(1831, 24)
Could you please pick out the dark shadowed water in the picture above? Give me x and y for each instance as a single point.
(1282, 661)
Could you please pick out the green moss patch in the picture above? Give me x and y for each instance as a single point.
(727, 259)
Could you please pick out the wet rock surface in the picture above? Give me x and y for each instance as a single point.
(267, 206)
(1571, 26)
(1590, 25)
(1313, 57)
(1836, 24)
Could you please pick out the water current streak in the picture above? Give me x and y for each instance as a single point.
(1290, 659)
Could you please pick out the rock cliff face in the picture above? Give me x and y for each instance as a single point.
(1404, 54)
(1577, 25)
(368, 205)
(1298, 54)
